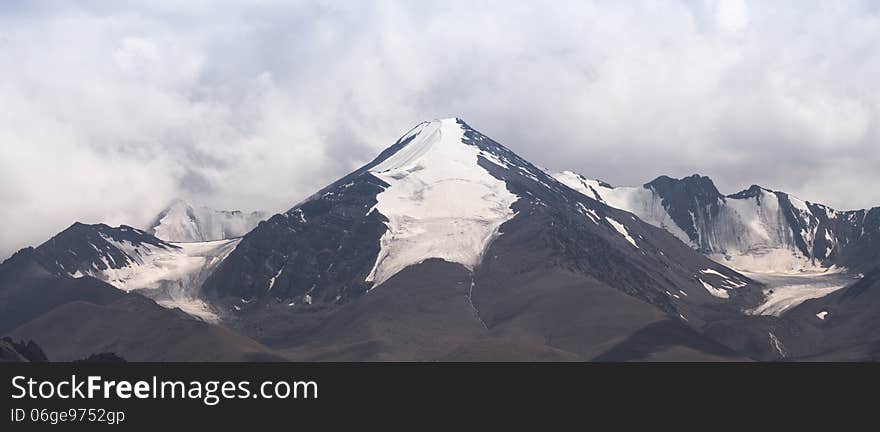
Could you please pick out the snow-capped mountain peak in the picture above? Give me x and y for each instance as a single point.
(442, 192)
(440, 203)
(183, 222)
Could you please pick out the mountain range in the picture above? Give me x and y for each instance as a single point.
(449, 246)
(756, 229)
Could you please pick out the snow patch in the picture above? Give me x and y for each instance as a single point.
(272, 279)
(727, 280)
(193, 307)
(588, 212)
(622, 230)
(717, 292)
(300, 215)
(710, 271)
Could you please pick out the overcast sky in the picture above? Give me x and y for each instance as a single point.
(110, 109)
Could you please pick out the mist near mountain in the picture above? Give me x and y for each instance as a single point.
(112, 109)
(184, 222)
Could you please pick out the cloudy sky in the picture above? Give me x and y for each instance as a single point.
(110, 109)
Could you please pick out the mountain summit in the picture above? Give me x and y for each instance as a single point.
(183, 222)
(448, 238)
(439, 202)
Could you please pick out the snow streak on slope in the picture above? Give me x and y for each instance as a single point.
(439, 203)
(726, 280)
(181, 222)
(717, 292)
(622, 230)
(639, 201)
(172, 277)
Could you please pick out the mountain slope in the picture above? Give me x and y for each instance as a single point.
(503, 230)
(182, 222)
(809, 257)
(137, 329)
(132, 260)
(842, 325)
(28, 290)
(73, 318)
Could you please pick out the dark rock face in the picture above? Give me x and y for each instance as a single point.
(848, 239)
(322, 248)
(688, 200)
(861, 240)
(82, 248)
(754, 191)
(802, 223)
(828, 237)
(821, 234)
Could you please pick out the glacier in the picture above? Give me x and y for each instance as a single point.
(439, 203)
(172, 276)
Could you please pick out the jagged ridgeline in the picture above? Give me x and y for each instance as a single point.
(449, 246)
(756, 229)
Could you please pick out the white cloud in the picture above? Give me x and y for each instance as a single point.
(111, 109)
(732, 15)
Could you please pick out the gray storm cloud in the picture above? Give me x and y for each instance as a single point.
(108, 110)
